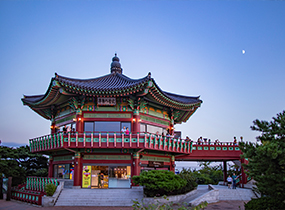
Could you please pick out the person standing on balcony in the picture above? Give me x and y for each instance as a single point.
(64, 129)
(235, 141)
(123, 130)
(127, 131)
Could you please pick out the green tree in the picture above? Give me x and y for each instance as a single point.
(19, 163)
(267, 157)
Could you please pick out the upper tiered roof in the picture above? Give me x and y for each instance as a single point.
(114, 84)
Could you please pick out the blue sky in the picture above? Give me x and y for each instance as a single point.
(190, 47)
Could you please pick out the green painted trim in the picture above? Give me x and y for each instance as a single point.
(200, 148)
(231, 148)
(206, 148)
(212, 148)
(225, 148)
(154, 120)
(65, 119)
(61, 158)
(237, 148)
(218, 148)
(107, 157)
(150, 158)
(106, 115)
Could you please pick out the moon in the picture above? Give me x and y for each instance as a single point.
(243, 51)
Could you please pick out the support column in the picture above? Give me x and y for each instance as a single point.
(136, 124)
(77, 180)
(79, 122)
(243, 176)
(50, 167)
(225, 171)
(172, 164)
(52, 127)
(137, 167)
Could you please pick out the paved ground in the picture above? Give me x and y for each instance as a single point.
(17, 205)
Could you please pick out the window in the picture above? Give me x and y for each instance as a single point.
(102, 126)
(152, 129)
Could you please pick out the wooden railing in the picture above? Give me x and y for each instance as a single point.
(34, 189)
(109, 140)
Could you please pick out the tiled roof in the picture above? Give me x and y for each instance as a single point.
(108, 82)
(182, 99)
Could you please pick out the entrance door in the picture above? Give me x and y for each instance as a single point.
(99, 177)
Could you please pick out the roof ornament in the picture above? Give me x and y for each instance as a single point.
(116, 66)
(149, 75)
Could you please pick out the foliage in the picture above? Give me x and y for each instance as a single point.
(207, 174)
(166, 206)
(267, 158)
(20, 162)
(186, 174)
(50, 189)
(159, 183)
(264, 203)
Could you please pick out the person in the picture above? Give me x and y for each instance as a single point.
(235, 141)
(199, 141)
(123, 130)
(187, 139)
(229, 180)
(127, 131)
(64, 129)
(234, 180)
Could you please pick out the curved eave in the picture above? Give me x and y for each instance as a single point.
(162, 98)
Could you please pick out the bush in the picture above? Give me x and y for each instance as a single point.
(159, 183)
(187, 174)
(50, 189)
(265, 203)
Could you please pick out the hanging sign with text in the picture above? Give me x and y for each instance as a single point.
(106, 101)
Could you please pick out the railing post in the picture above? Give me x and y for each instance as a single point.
(130, 139)
(68, 139)
(107, 139)
(61, 138)
(84, 139)
(91, 139)
(123, 140)
(115, 140)
(138, 139)
(100, 139)
(76, 139)
(145, 139)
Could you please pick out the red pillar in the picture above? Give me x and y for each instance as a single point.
(50, 167)
(225, 171)
(79, 123)
(77, 170)
(136, 165)
(136, 124)
(172, 164)
(243, 176)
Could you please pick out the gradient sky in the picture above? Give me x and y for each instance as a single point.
(190, 47)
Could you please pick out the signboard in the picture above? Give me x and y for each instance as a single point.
(155, 164)
(106, 101)
(86, 177)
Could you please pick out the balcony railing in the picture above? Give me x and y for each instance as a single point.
(109, 140)
(119, 140)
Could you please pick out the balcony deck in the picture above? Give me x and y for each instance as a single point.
(185, 149)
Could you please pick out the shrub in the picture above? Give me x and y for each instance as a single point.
(187, 174)
(50, 189)
(159, 183)
(265, 203)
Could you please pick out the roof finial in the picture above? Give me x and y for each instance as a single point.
(115, 65)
